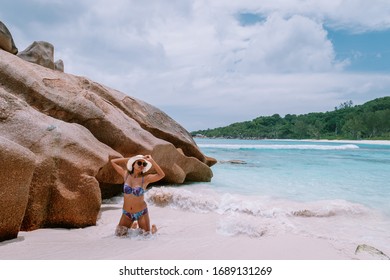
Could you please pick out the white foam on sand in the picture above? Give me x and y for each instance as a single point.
(182, 234)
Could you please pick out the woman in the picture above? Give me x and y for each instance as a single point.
(135, 183)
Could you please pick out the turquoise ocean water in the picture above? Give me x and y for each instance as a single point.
(336, 191)
(303, 170)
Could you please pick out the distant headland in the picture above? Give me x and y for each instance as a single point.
(370, 121)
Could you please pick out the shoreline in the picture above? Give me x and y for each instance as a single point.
(373, 142)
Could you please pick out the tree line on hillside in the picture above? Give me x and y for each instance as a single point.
(368, 121)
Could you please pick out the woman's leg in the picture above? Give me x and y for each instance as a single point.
(125, 221)
(124, 224)
(144, 223)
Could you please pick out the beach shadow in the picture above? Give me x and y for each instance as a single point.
(107, 208)
(104, 208)
(17, 239)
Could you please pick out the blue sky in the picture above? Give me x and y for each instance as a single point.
(212, 63)
(368, 51)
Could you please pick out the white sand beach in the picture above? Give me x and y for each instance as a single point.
(182, 235)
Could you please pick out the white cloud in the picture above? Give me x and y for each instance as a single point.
(359, 15)
(356, 15)
(297, 44)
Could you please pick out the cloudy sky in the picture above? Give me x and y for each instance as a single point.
(212, 63)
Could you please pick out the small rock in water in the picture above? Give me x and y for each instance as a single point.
(233, 161)
(308, 213)
(372, 251)
(304, 213)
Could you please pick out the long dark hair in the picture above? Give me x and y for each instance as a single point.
(132, 169)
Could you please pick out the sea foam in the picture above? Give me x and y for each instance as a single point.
(258, 216)
(204, 200)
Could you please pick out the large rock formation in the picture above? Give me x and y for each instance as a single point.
(6, 41)
(42, 53)
(73, 126)
(17, 167)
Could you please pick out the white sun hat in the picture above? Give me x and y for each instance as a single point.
(133, 159)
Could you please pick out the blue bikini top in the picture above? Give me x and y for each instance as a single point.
(136, 191)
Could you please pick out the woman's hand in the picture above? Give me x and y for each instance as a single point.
(148, 158)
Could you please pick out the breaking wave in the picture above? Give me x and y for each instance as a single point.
(207, 201)
(256, 216)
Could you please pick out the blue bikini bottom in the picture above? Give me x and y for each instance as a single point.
(135, 216)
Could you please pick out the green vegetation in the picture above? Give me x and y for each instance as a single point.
(368, 121)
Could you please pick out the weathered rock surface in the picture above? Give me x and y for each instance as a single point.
(64, 190)
(42, 53)
(73, 126)
(17, 167)
(6, 41)
(59, 65)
